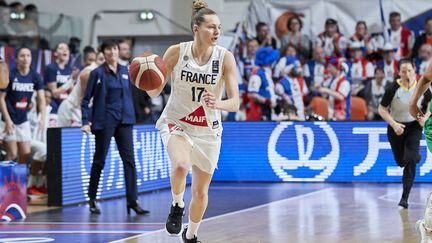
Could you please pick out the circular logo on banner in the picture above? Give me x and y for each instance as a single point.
(27, 240)
(303, 152)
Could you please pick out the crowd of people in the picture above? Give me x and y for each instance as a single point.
(291, 78)
(341, 73)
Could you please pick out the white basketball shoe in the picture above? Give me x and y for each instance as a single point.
(424, 226)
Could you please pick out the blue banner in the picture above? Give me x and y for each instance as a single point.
(251, 151)
(312, 151)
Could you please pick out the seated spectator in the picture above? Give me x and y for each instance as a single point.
(425, 54)
(299, 40)
(314, 69)
(290, 52)
(247, 63)
(361, 70)
(425, 38)
(374, 93)
(292, 87)
(264, 36)
(362, 37)
(331, 40)
(261, 86)
(401, 38)
(389, 64)
(337, 88)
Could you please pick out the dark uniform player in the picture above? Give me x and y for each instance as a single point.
(14, 103)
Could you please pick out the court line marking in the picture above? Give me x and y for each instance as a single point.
(73, 232)
(74, 223)
(235, 212)
(386, 197)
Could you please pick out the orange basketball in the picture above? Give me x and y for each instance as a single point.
(147, 71)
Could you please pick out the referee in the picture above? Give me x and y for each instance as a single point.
(112, 116)
(404, 131)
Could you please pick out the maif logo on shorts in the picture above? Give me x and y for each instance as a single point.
(317, 151)
(196, 118)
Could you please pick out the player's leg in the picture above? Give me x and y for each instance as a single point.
(200, 186)
(11, 148)
(179, 150)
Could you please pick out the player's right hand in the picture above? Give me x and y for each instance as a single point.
(9, 128)
(86, 129)
(398, 128)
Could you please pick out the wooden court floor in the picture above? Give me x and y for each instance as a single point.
(361, 213)
(244, 213)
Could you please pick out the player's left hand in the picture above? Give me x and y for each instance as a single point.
(209, 99)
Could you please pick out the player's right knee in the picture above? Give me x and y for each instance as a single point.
(180, 168)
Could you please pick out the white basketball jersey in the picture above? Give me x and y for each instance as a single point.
(186, 107)
(74, 96)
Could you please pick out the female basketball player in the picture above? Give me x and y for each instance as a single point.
(424, 225)
(404, 131)
(69, 112)
(190, 124)
(14, 105)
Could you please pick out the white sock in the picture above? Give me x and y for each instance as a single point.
(192, 229)
(31, 181)
(178, 198)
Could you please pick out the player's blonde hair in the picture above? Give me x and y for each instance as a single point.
(199, 10)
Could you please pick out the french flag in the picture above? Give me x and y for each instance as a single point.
(384, 23)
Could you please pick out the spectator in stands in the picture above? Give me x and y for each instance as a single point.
(331, 40)
(290, 52)
(400, 37)
(59, 77)
(389, 64)
(337, 88)
(14, 104)
(5, 25)
(261, 86)
(425, 54)
(426, 37)
(264, 36)
(374, 93)
(314, 69)
(292, 87)
(124, 53)
(361, 70)
(247, 63)
(299, 40)
(75, 54)
(362, 37)
(89, 54)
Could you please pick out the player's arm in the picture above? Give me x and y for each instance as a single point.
(84, 76)
(40, 96)
(4, 74)
(56, 91)
(170, 58)
(422, 86)
(5, 113)
(229, 76)
(384, 112)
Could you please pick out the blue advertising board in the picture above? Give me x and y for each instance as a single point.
(251, 151)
